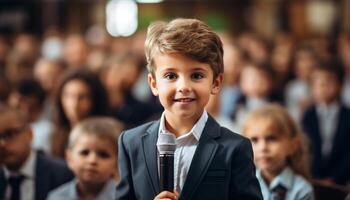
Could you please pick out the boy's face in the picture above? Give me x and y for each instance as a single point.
(255, 83)
(93, 160)
(47, 73)
(325, 87)
(269, 146)
(183, 86)
(15, 141)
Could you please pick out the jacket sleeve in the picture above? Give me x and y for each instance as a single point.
(244, 184)
(124, 189)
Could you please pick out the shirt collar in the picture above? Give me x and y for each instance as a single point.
(196, 130)
(332, 108)
(27, 170)
(285, 178)
(103, 194)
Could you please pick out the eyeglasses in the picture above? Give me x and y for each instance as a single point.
(11, 133)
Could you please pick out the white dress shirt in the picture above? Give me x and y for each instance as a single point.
(186, 146)
(328, 118)
(27, 187)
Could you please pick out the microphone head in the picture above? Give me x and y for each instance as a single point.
(166, 143)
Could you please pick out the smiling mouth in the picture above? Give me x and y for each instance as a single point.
(184, 100)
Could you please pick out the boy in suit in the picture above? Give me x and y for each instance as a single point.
(185, 67)
(326, 123)
(25, 174)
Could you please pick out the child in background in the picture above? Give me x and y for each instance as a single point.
(119, 76)
(326, 123)
(297, 92)
(256, 84)
(234, 59)
(79, 95)
(92, 156)
(279, 154)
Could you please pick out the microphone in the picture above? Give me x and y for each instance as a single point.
(166, 147)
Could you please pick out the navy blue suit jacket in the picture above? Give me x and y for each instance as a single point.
(337, 165)
(222, 166)
(50, 174)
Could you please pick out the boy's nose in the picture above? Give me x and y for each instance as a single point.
(183, 85)
(262, 146)
(92, 158)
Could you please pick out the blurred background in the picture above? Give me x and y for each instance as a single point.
(302, 18)
(62, 61)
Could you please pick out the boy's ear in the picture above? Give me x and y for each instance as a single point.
(217, 83)
(153, 84)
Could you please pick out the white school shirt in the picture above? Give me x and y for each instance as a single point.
(328, 121)
(27, 187)
(186, 146)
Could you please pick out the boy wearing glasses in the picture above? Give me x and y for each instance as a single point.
(25, 174)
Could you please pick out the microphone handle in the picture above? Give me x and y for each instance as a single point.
(166, 172)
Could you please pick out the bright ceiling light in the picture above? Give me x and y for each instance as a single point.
(121, 17)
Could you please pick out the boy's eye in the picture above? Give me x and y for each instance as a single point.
(271, 138)
(84, 152)
(170, 76)
(103, 154)
(197, 76)
(254, 140)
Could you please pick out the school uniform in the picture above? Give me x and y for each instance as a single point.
(41, 174)
(294, 187)
(218, 164)
(329, 134)
(68, 191)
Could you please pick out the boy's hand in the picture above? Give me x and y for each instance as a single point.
(166, 195)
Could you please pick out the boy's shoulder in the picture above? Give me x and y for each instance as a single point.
(222, 134)
(65, 191)
(229, 136)
(141, 130)
(212, 128)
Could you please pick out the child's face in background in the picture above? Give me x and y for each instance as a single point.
(233, 65)
(325, 87)
(183, 86)
(304, 63)
(46, 73)
(76, 100)
(93, 160)
(255, 83)
(271, 148)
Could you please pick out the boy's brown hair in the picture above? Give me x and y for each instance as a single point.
(190, 37)
(100, 127)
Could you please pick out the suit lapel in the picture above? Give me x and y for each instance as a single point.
(149, 141)
(339, 134)
(316, 135)
(202, 158)
(2, 183)
(41, 178)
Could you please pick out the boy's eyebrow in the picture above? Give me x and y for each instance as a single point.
(200, 69)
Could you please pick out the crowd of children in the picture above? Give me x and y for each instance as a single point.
(63, 105)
